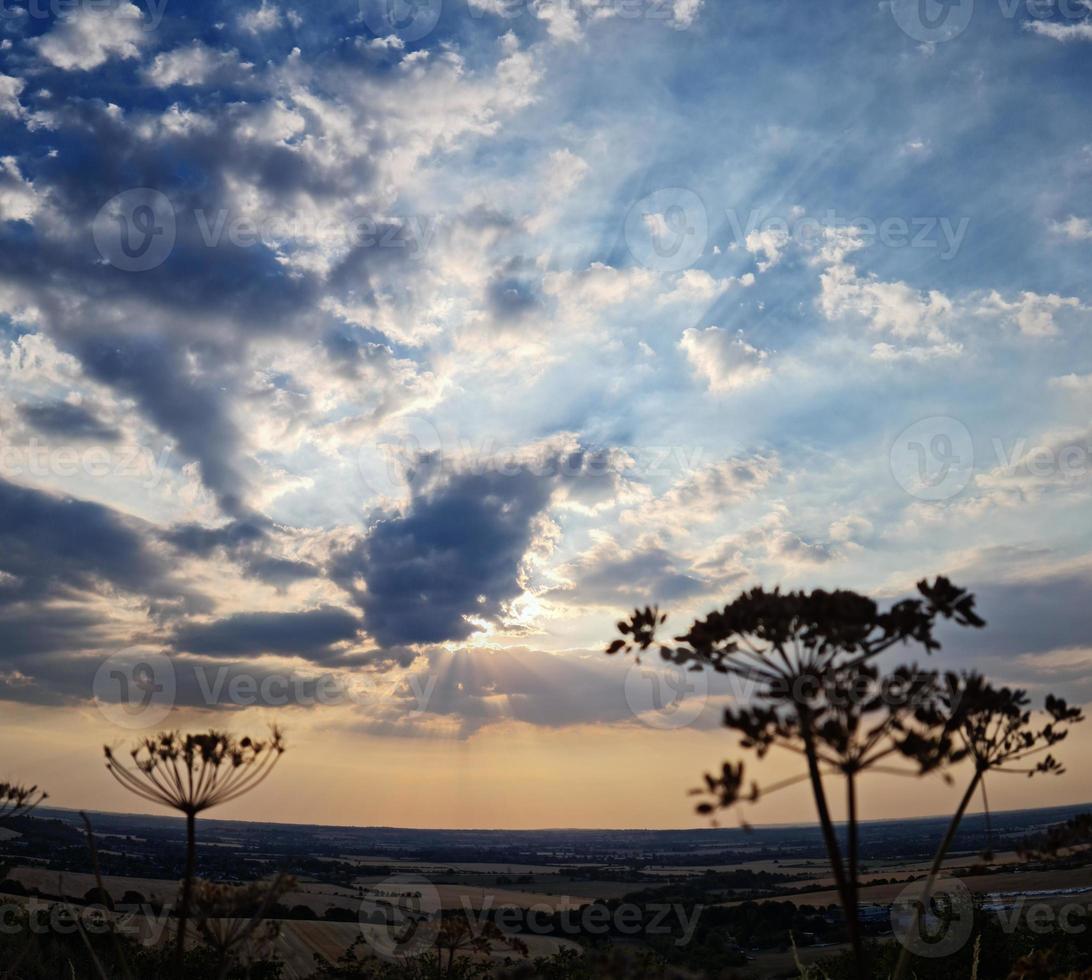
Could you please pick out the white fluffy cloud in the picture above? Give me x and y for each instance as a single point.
(888, 307)
(566, 20)
(698, 286)
(1033, 314)
(267, 17)
(1074, 228)
(1073, 382)
(1061, 31)
(686, 11)
(726, 361)
(10, 87)
(770, 243)
(194, 64)
(18, 201)
(90, 36)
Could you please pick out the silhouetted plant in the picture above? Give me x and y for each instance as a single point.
(458, 934)
(231, 919)
(771, 636)
(992, 729)
(810, 653)
(820, 696)
(858, 721)
(191, 774)
(18, 801)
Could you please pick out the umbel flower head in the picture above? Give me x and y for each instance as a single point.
(775, 637)
(18, 801)
(231, 917)
(858, 721)
(193, 773)
(994, 727)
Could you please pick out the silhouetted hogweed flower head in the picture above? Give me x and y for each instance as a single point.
(993, 728)
(193, 773)
(18, 801)
(778, 636)
(458, 935)
(231, 918)
(856, 719)
(818, 693)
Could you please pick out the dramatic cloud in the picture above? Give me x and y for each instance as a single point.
(419, 345)
(455, 556)
(51, 545)
(69, 421)
(313, 635)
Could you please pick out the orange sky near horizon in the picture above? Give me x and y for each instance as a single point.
(506, 776)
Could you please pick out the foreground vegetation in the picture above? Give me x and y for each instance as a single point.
(820, 695)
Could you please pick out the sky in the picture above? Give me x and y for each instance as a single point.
(362, 363)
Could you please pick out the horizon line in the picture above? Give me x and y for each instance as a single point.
(555, 830)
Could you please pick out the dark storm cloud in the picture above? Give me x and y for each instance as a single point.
(68, 421)
(51, 545)
(59, 560)
(1035, 632)
(250, 541)
(69, 679)
(457, 550)
(30, 632)
(312, 634)
(1031, 616)
(279, 572)
(174, 338)
(205, 272)
(183, 325)
(202, 541)
(455, 553)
